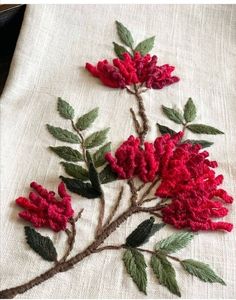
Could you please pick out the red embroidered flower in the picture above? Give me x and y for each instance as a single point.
(130, 160)
(189, 180)
(44, 210)
(132, 70)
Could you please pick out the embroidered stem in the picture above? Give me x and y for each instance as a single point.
(114, 209)
(148, 190)
(134, 193)
(81, 141)
(101, 215)
(136, 122)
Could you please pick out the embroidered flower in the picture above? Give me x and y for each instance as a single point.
(130, 160)
(42, 209)
(133, 70)
(189, 180)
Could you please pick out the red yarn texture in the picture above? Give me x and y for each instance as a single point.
(132, 70)
(187, 178)
(42, 209)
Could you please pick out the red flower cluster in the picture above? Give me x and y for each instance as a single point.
(132, 70)
(130, 160)
(44, 210)
(187, 177)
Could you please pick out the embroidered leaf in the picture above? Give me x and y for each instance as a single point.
(76, 171)
(107, 175)
(173, 114)
(143, 232)
(67, 153)
(40, 244)
(164, 129)
(63, 134)
(97, 138)
(124, 34)
(65, 109)
(135, 265)
(119, 50)
(190, 111)
(79, 187)
(145, 46)
(99, 155)
(165, 273)
(174, 242)
(93, 174)
(203, 143)
(201, 270)
(205, 129)
(87, 119)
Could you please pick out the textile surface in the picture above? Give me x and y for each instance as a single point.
(54, 44)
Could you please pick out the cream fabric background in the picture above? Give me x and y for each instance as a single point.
(54, 44)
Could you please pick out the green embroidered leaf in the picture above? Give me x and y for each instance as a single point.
(174, 242)
(165, 273)
(67, 153)
(99, 155)
(201, 270)
(190, 111)
(65, 109)
(107, 175)
(93, 174)
(145, 46)
(143, 232)
(173, 114)
(119, 50)
(135, 265)
(63, 134)
(40, 244)
(164, 129)
(76, 171)
(97, 138)
(81, 188)
(124, 34)
(205, 129)
(87, 119)
(203, 143)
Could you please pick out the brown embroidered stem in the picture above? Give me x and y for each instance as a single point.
(70, 241)
(149, 199)
(148, 190)
(141, 186)
(81, 140)
(136, 122)
(114, 209)
(101, 215)
(134, 193)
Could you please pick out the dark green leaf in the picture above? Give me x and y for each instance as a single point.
(67, 153)
(143, 232)
(65, 109)
(76, 171)
(165, 273)
(107, 175)
(93, 174)
(79, 187)
(97, 138)
(119, 50)
(205, 129)
(201, 270)
(173, 114)
(40, 244)
(203, 143)
(145, 46)
(99, 155)
(87, 119)
(63, 134)
(190, 111)
(135, 265)
(164, 129)
(174, 242)
(124, 34)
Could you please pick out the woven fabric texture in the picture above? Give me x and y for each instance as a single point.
(54, 44)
